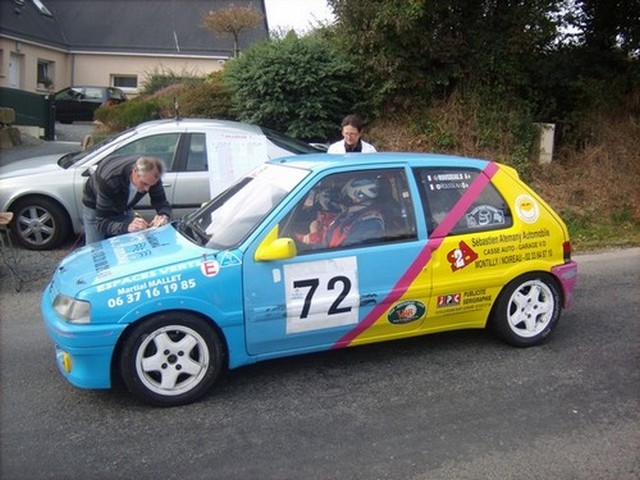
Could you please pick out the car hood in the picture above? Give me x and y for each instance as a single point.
(31, 166)
(127, 260)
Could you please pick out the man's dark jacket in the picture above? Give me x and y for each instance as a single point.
(107, 192)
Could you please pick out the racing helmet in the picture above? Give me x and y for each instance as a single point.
(362, 189)
(328, 200)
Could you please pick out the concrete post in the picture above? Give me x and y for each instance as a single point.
(545, 146)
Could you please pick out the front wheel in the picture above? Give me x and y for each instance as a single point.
(171, 359)
(40, 223)
(527, 310)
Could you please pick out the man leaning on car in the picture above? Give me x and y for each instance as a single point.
(112, 191)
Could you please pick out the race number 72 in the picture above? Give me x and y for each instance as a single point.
(321, 294)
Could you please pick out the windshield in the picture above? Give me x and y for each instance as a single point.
(77, 157)
(229, 218)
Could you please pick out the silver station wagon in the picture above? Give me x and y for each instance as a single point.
(45, 193)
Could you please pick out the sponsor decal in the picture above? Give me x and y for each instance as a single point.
(210, 268)
(449, 300)
(449, 181)
(460, 302)
(151, 289)
(483, 216)
(227, 259)
(478, 297)
(461, 257)
(406, 312)
(527, 208)
(146, 275)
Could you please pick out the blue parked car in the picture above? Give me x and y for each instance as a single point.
(311, 253)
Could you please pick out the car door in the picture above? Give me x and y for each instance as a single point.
(345, 294)
(68, 104)
(93, 97)
(190, 182)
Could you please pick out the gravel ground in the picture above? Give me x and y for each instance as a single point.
(34, 268)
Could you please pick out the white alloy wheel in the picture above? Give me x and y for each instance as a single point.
(527, 310)
(171, 359)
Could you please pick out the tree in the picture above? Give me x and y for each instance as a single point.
(433, 47)
(611, 24)
(231, 21)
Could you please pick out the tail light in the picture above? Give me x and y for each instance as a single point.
(566, 251)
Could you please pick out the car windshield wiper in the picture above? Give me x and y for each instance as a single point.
(67, 160)
(193, 230)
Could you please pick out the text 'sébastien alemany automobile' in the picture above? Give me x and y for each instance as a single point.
(308, 254)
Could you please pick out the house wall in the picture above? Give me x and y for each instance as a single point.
(92, 69)
(28, 56)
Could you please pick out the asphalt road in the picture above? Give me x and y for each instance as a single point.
(451, 406)
(68, 139)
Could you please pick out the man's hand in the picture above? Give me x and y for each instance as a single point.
(138, 223)
(158, 221)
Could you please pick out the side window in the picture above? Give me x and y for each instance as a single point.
(93, 93)
(353, 209)
(441, 189)
(159, 146)
(197, 156)
(124, 81)
(114, 94)
(69, 94)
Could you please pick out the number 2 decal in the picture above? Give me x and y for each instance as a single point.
(321, 294)
(461, 257)
(346, 286)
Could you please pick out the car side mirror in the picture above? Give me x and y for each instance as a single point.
(274, 248)
(89, 171)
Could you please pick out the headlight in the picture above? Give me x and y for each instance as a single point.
(72, 310)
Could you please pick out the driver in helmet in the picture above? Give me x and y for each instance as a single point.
(327, 206)
(361, 221)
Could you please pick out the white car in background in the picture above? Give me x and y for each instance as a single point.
(45, 193)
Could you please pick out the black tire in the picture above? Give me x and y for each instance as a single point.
(527, 310)
(184, 369)
(40, 223)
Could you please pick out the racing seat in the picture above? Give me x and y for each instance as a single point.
(394, 214)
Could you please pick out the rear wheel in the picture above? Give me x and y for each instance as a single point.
(527, 310)
(39, 223)
(171, 359)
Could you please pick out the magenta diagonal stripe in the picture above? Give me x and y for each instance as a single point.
(423, 258)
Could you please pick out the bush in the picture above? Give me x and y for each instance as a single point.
(299, 86)
(210, 99)
(160, 79)
(128, 114)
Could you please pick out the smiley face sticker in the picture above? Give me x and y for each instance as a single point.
(527, 208)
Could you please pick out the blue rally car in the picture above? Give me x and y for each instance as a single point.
(308, 254)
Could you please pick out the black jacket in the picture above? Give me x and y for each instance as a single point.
(107, 192)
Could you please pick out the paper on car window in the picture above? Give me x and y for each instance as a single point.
(232, 156)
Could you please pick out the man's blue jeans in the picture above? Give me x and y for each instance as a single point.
(91, 233)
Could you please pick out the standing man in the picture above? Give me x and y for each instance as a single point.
(114, 189)
(352, 134)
